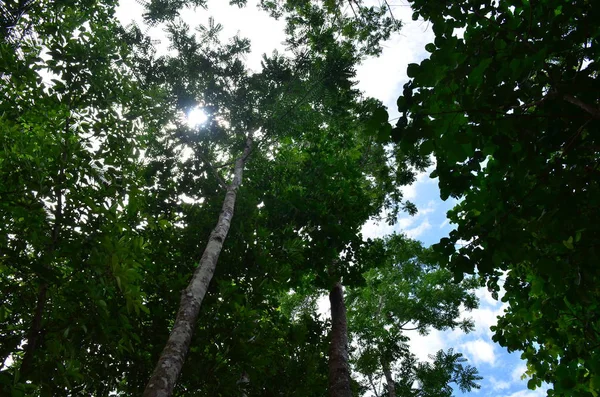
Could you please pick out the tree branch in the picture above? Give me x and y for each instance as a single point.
(225, 165)
(410, 329)
(594, 111)
(390, 9)
(373, 385)
(220, 180)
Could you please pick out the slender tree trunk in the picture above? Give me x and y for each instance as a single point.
(391, 385)
(36, 329)
(167, 370)
(243, 383)
(339, 369)
(373, 385)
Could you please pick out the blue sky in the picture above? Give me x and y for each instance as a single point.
(383, 79)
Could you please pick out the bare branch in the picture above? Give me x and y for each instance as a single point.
(373, 385)
(391, 13)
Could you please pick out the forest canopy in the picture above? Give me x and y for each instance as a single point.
(144, 255)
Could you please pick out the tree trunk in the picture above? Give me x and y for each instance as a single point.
(243, 383)
(339, 369)
(35, 331)
(391, 385)
(167, 370)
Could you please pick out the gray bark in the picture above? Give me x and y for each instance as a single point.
(167, 370)
(339, 369)
(389, 380)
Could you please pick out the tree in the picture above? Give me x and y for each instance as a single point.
(109, 198)
(510, 113)
(406, 291)
(246, 102)
(69, 181)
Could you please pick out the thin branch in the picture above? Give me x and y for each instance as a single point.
(391, 13)
(220, 180)
(225, 165)
(498, 112)
(35, 330)
(409, 329)
(373, 385)
(403, 324)
(594, 111)
(534, 103)
(351, 7)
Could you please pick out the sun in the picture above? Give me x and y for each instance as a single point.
(196, 117)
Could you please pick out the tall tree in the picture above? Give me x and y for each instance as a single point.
(406, 291)
(339, 365)
(170, 363)
(239, 103)
(513, 126)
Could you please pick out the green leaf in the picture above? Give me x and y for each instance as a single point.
(412, 70)
(568, 243)
(380, 115)
(476, 76)
(426, 148)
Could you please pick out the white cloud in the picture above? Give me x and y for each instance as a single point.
(424, 345)
(483, 319)
(419, 230)
(265, 33)
(374, 74)
(406, 222)
(373, 229)
(486, 314)
(499, 384)
(480, 351)
(409, 192)
(431, 206)
(518, 372)
(529, 393)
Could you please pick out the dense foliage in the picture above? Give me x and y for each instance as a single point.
(507, 103)
(108, 197)
(406, 291)
(71, 256)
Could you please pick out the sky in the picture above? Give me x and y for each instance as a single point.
(383, 78)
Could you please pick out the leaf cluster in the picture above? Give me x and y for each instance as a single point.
(509, 110)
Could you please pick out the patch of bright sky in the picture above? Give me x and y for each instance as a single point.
(196, 117)
(383, 79)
